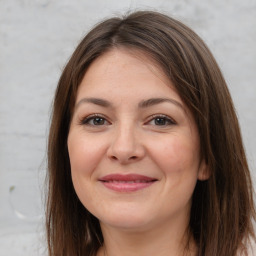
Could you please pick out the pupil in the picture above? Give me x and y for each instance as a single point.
(98, 121)
(160, 121)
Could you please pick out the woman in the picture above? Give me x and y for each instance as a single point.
(145, 154)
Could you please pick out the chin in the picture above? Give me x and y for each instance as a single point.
(126, 221)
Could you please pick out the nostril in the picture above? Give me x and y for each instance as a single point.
(129, 158)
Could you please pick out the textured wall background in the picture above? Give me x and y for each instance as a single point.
(36, 39)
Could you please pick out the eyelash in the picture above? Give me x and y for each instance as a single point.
(165, 118)
(86, 120)
(162, 118)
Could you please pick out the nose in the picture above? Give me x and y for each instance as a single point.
(126, 146)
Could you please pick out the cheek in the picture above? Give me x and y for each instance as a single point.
(84, 153)
(179, 163)
(177, 155)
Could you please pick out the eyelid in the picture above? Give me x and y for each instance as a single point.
(86, 119)
(154, 116)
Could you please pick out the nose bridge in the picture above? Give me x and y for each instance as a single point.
(125, 145)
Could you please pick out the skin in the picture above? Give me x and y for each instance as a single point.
(159, 140)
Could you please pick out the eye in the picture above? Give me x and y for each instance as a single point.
(95, 120)
(161, 120)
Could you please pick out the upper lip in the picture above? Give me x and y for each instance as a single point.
(126, 177)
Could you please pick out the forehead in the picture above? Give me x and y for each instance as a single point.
(125, 70)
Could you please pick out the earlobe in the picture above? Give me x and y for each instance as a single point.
(203, 172)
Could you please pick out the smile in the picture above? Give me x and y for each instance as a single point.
(127, 183)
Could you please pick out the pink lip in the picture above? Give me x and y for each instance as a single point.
(126, 183)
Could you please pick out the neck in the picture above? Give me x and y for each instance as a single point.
(161, 241)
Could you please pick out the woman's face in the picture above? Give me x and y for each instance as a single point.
(133, 145)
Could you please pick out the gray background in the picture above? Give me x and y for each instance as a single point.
(36, 39)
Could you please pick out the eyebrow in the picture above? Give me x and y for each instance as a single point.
(155, 101)
(96, 101)
(143, 104)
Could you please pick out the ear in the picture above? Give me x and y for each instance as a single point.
(203, 171)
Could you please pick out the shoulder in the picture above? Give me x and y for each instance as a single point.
(251, 249)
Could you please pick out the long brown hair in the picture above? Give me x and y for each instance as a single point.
(222, 210)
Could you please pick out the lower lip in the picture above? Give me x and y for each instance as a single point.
(126, 186)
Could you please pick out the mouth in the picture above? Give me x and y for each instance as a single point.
(127, 183)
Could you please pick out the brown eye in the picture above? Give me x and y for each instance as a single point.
(161, 121)
(98, 121)
(94, 121)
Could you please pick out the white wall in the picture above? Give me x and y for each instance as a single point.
(37, 37)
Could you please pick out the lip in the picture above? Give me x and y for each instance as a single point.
(127, 183)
